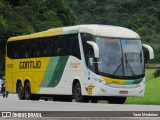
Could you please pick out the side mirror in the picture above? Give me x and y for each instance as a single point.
(95, 48)
(150, 49)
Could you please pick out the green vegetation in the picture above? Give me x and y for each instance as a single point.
(142, 16)
(152, 94)
(149, 74)
(20, 17)
(152, 91)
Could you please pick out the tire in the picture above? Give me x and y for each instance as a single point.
(20, 91)
(117, 100)
(78, 95)
(121, 100)
(28, 94)
(27, 91)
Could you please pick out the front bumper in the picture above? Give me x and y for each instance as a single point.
(118, 90)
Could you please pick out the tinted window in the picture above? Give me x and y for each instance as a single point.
(44, 47)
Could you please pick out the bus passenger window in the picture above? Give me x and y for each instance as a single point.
(39, 48)
(26, 54)
(16, 55)
(60, 51)
(49, 47)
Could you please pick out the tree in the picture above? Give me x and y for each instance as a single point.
(142, 16)
(21, 17)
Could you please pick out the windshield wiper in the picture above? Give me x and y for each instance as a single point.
(126, 61)
(117, 68)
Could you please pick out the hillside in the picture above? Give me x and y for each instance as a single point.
(21, 17)
(142, 16)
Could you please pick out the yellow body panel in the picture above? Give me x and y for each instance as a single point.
(14, 67)
(51, 32)
(34, 75)
(113, 81)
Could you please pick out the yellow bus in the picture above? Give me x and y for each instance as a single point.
(84, 62)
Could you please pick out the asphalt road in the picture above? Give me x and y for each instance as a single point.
(76, 110)
(14, 104)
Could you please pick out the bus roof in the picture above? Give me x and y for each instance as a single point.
(109, 31)
(98, 30)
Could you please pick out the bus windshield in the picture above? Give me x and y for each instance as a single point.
(120, 57)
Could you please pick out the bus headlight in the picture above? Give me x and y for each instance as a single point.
(141, 84)
(102, 81)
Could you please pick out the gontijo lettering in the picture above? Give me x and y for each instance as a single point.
(30, 64)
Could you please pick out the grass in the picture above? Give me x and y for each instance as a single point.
(149, 74)
(152, 91)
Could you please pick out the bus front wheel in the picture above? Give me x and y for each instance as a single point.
(20, 91)
(78, 95)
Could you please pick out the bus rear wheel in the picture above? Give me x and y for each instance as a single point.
(117, 100)
(28, 94)
(27, 91)
(78, 95)
(20, 91)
